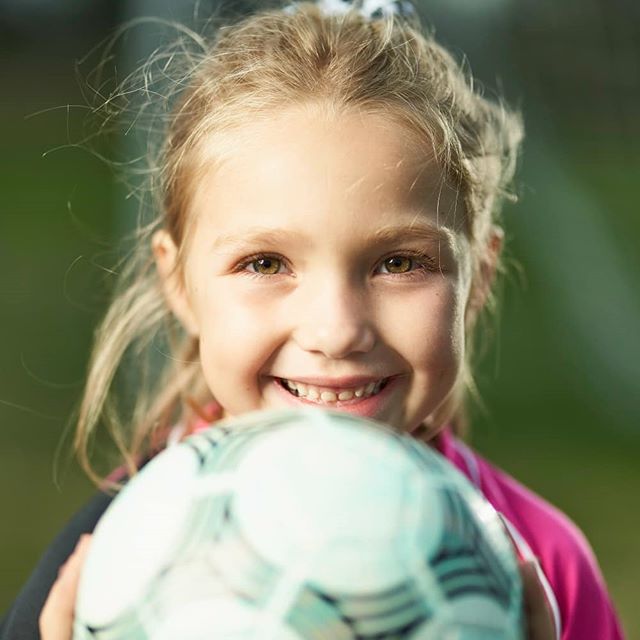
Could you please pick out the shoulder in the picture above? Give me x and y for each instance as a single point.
(541, 524)
(21, 620)
(565, 556)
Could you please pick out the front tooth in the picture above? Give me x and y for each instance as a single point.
(302, 389)
(345, 395)
(312, 394)
(328, 396)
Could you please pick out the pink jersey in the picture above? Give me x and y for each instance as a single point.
(575, 587)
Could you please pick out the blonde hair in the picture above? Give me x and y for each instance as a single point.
(265, 62)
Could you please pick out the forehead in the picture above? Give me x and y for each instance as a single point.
(308, 165)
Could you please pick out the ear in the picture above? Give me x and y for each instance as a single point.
(485, 275)
(165, 253)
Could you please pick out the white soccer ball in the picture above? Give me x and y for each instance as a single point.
(299, 525)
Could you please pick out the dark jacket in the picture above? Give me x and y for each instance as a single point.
(21, 620)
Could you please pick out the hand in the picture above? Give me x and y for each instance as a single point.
(540, 624)
(56, 619)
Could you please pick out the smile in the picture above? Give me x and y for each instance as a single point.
(332, 395)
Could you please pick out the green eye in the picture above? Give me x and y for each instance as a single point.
(266, 266)
(398, 264)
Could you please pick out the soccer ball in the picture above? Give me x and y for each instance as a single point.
(299, 525)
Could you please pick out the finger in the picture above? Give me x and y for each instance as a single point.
(82, 547)
(56, 618)
(538, 613)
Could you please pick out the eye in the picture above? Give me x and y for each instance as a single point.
(398, 264)
(408, 263)
(266, 265)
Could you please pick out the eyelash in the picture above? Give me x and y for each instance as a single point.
(242, 266)
(421, 264)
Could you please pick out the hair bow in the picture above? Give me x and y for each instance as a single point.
(370, 9)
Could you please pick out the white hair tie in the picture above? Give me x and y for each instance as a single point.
(370, 9)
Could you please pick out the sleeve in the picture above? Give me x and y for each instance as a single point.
(21, 620)
(588, 609)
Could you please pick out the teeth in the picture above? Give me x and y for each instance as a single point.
(327, 396)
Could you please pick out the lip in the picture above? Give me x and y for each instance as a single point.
(370, 407)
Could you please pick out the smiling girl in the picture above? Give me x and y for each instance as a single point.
(329, 231)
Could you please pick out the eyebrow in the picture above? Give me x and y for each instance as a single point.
(386, 235)
(257, 235)
(420, 231)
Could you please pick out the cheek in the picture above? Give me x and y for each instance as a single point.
(238, 333)
(431, 334)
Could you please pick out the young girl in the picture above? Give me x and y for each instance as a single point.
(327, 234)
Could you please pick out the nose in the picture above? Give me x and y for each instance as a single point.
(336, 321)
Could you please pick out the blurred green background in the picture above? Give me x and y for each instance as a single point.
(561, 381)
